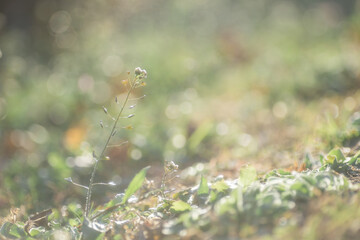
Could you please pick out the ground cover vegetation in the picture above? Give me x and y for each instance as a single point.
(243, 121)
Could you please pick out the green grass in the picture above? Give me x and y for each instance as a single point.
(251, 206)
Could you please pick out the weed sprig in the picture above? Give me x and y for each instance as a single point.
(136, 82)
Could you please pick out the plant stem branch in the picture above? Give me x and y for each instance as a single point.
(89, 192)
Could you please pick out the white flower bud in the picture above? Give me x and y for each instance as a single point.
(138, 71)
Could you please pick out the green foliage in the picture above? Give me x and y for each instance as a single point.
(260, 202)
(12, 231)
(218, 190)
(203, 187)
(248, 200)
(247, 176)
(199, 135)
(135, 184)
(335, 155)
(180, 206)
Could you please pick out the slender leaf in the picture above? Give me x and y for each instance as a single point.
(135, 184)
(200, 134)
(203, 188)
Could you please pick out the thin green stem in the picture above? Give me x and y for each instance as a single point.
(89, 192)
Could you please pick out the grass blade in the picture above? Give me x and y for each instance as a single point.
(135, 184)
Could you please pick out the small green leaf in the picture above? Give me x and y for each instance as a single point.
(36, 231)
(283, 172)
(135, 184)
(226, 206)
(338, 154)
(302, 190)
(220, 186)
(73, 222)
(352, 161)
(180, 206)
(322, 160)
(213, 196)
(247, 176)
(308, 161)
(356, 121)
(12, 231)
(330, 159)
(203, 188)
(218, 189)
(354, 158)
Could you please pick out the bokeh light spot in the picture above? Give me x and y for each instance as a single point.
(280, 110)
(74, 136)
(101, 92)
(60, 22)
(136, 154)
(179, 141)
(222, 128)
(244, 139)
(349, 103)
(190, 93)
(86, 83)
(38, 134)
(139, 140)
(186, 108)
(112, 66)
(172, 112)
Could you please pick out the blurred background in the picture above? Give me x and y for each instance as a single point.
(258, 82)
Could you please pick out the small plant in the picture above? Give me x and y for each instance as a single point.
(170, 168)
(131, 84)
(134, 83)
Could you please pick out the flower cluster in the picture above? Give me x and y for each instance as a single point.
(140, 73)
